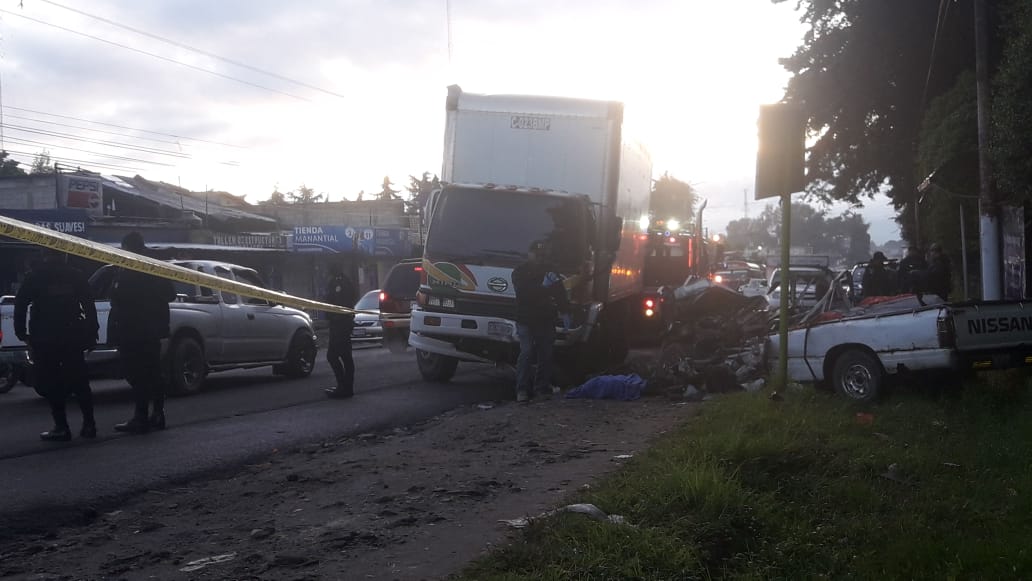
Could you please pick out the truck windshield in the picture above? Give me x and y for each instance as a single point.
(497, 227)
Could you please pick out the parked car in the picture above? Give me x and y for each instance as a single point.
(367, 324)
(211, 330)
(396, 298)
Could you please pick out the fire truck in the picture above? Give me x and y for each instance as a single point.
(672, 253)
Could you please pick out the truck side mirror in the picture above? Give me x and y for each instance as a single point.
(614, 231)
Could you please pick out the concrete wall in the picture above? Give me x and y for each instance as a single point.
(28, 193)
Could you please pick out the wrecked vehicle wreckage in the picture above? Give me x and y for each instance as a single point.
(718, 340)
(713, 340)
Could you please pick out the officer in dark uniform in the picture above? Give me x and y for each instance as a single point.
(62, 325)
(138, 321)
(341, 291)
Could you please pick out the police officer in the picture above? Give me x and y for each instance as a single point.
(938, 278)
(877, 280)
(341, 291)
(138, 321)
(63, 324)
(909, 270)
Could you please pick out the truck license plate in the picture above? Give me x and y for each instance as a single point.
(499, 329)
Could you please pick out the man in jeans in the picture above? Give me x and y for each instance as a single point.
(540, 296)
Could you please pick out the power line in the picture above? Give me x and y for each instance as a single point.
(157, 56)
(13, 153)
(36, 120)
(121, 126)
(22, 141)
(99, 141)
(195, 49)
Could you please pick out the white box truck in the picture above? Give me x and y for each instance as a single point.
(520, 169)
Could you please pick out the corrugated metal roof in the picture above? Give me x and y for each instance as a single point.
(168, 197)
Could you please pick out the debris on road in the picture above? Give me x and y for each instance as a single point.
(202, 563)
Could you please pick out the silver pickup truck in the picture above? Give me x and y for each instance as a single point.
(211, 330)
(855, 351)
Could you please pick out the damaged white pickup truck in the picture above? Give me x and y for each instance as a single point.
(856, 350)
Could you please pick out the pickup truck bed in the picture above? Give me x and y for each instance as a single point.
(855, 351)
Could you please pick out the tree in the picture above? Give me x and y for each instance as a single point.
(419, 191)
(42, 163)
(672, 198)
(386, 192)
(9, 167)
(276, 198)
(304, 195)
(862, 76)
(841, 237)
(1012, 106)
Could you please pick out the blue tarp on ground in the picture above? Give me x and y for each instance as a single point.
(621, 387)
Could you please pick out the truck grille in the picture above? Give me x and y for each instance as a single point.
(478, 307)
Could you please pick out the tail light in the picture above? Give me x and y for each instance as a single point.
(946, 332)
(383, 296)
(650, 307)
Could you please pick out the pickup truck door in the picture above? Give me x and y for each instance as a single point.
(240, 340)
(267, 323)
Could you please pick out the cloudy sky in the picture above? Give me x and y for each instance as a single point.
(250, 95)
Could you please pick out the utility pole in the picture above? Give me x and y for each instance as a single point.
(988, 209)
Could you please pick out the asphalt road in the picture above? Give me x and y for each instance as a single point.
(240, 416)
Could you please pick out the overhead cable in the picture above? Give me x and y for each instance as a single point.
(38, 112)
(194, 49)
(157, 56)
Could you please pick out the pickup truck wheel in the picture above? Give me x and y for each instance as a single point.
(301, 357)
(858, 375)
(187, 367)
(8, 377)
(434, 367)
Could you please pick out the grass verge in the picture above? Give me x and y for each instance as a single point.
(809, 487)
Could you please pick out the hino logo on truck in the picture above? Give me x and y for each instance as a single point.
(530, 122)
(999, 325)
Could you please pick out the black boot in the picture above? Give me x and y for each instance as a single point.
(136, 425)
(60, 431)
(56, 434)
(339, 392)
(89, 429)
(157, 420)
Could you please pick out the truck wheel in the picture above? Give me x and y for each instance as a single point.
(434, 367)
(187, 366)
(300, 358)
(8, 377)
(858, 375)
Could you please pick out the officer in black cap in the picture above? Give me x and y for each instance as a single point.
(137, 322)
(62, 325)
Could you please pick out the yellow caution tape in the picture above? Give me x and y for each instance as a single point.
(103, 253)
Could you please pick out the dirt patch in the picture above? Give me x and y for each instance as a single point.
(415, 503)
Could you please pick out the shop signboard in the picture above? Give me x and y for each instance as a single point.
(66, 220)
(348, 239)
